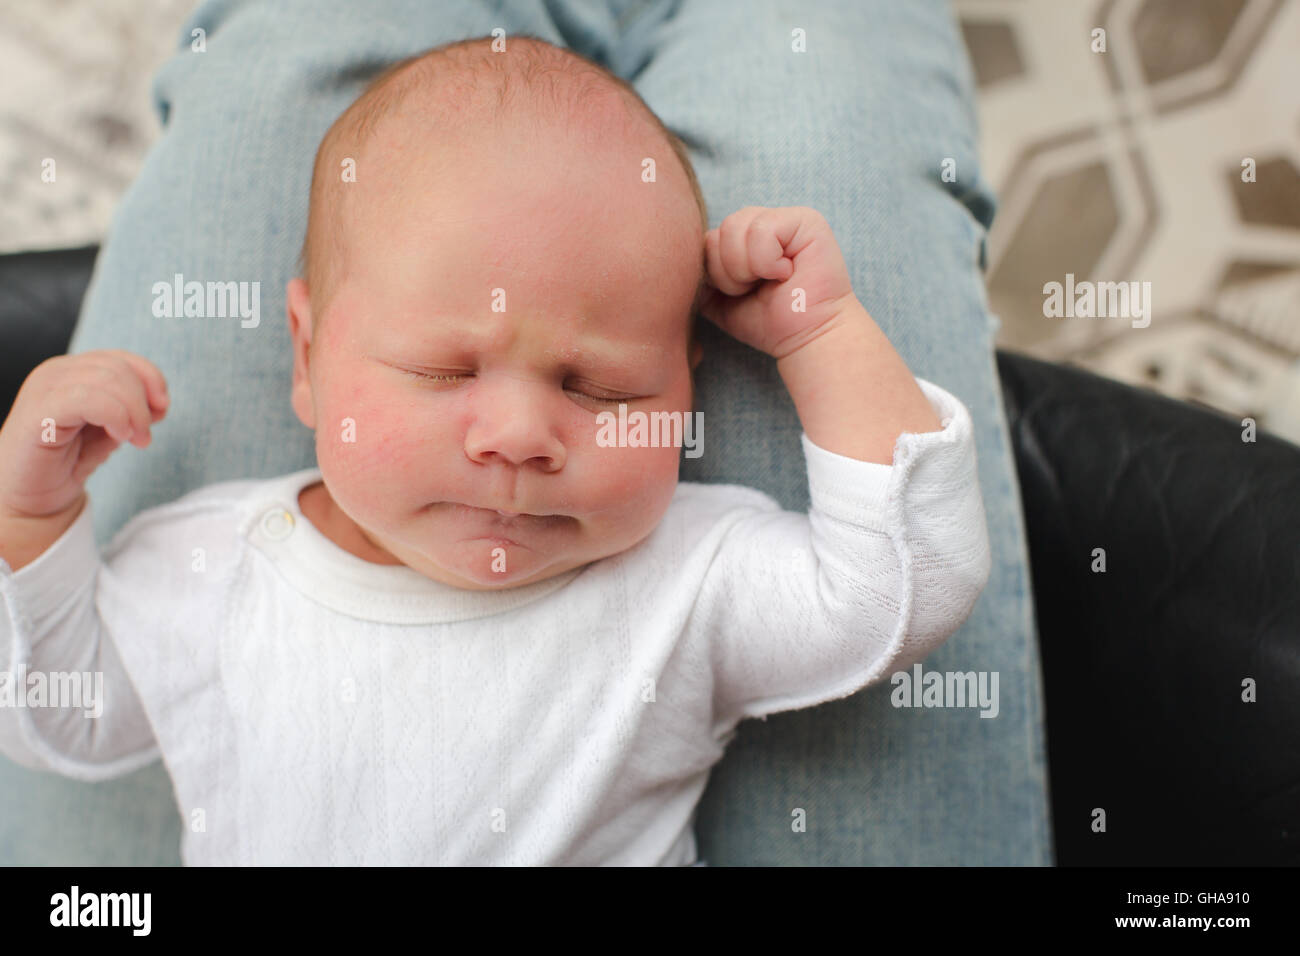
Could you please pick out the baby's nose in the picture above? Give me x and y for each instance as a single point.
(512, 424)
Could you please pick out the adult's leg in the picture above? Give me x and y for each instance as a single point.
(222, 197)
(861, 127)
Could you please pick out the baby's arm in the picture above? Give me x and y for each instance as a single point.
(894, 551)
(68, 704)
(853, 393)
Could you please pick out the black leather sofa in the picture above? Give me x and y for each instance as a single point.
(1144, 664)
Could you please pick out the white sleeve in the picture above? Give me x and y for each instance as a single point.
(67, 703)
(887, 563)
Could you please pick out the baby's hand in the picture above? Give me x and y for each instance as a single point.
(791, 253)
(70, 415)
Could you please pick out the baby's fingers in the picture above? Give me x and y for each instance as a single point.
(765, 250)
(140, 387)
(719, 277)
(725, 252)
(153, 386)
(750, 245)
(87, 404)
(112, 396)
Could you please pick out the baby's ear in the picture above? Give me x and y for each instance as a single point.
(298, 307)
(701, 291)
(297, 304)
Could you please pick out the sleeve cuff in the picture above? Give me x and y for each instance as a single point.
(63, 570)
(858, 491)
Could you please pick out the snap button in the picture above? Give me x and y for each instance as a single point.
(277, 524)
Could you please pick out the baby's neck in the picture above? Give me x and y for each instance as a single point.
(318, 507)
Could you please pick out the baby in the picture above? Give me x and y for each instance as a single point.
(476, 634)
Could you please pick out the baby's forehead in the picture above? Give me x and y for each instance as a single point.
(493, 191)
(468, 104)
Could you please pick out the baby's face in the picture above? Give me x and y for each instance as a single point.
(539, 291)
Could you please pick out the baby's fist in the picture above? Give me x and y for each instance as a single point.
(71, 413)
(792, 256)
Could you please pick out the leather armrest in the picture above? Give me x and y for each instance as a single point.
(1144, 664)
(40, 298)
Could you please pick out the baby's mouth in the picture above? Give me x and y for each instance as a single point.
(504, 515)
(516, 514)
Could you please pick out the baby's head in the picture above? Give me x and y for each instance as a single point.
(483, 217)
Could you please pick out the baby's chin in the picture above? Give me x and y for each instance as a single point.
(488, 566)
(502, 581)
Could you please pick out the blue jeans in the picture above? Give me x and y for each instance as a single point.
(858, 127)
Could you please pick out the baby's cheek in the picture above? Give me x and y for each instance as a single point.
(640, 481)
(362, 438)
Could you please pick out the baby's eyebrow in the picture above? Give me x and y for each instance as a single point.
(613, 360)
(610, 360)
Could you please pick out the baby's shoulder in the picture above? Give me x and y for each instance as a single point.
(698, 520)
(221, 509)
(699, 505)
